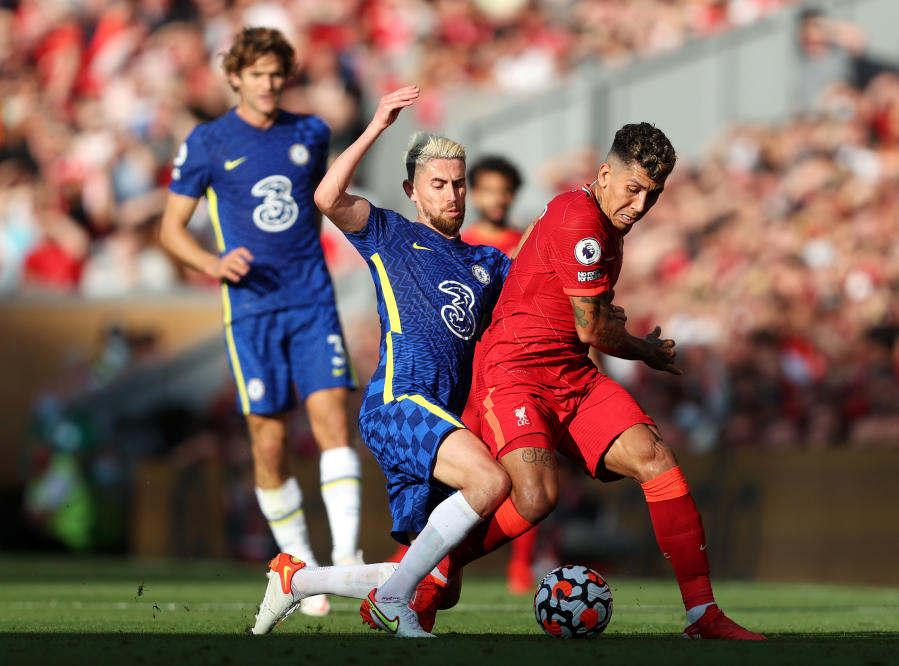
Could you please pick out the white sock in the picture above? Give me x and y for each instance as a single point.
(696, 612)
(341, 479)
(353, 581)
(283, 509)
(448, 524)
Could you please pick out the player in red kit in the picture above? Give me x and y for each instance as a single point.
(493, 182)
(540, 394)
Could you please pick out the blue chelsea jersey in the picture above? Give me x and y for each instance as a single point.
(435, 295)
(259, 185)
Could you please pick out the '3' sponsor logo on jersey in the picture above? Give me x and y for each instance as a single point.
(458, 315)
(279, 210)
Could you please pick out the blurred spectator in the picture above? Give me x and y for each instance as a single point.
(828, 49)
(493, 182)
(772, 257)
(98, 94)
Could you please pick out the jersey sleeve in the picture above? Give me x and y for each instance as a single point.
(190, 168)
(581, 255)
(504, 265)
(370, 238)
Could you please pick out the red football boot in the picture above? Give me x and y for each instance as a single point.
(715, 624)
(432, 595)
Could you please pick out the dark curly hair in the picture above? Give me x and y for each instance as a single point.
(250, 44)
(495, 164)
(646, 145)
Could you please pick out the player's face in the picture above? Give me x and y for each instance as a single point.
(439, 195)
(625, 193)
(493, 193)
(260, 86)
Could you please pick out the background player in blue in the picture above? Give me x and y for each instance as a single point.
(258, 167)
(434, 294)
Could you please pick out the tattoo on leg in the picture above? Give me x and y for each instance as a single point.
(543, 457)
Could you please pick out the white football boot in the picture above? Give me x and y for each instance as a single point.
(279, 600)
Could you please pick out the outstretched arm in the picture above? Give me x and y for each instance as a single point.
(349, 212)
(600, 324)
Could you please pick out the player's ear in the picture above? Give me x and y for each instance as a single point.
(604, 175)
(409, 189)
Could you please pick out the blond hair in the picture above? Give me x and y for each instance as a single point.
(424, 147)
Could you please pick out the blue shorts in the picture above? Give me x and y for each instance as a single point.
(273, 352)
(404, 436)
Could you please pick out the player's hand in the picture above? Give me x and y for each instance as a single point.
(392, 103)
(233, 266)
(617, 312)
(662, 354)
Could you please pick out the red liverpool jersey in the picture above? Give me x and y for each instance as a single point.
(573, 250)
(505, 240)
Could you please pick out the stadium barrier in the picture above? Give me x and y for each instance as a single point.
(784, 516)
(769, 515)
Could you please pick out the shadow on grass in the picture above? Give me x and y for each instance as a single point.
(49, 569)
(870, 649)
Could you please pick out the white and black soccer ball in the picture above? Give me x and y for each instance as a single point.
(573, 601)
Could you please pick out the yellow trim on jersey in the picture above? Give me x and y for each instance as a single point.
(226, 304)
(434, 409)
(393, 316)
(393, 312)
(232, 352)
(213, 200)
(388, 368)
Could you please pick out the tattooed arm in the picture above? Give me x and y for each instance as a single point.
(597, 324)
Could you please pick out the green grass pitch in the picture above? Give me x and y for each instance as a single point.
(71, 610)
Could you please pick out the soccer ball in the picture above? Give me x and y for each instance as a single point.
(573, 601)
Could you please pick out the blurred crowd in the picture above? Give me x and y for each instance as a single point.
(774, 264)
(97, 94)
(772, 260)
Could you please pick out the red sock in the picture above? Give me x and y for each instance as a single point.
(522, 548)
(503, 526)
(678, 528)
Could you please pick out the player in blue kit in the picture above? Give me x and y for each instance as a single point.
(258, 167)
(435, 295)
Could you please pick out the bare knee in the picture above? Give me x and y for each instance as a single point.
(534, 499)
(327, 411)
(487, 485)
(639, 453)
(464, 463)
(535, 481)
(267, 440)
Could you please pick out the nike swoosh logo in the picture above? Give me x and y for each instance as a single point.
(337, 372)
(609, 258)
(233, 164)
(704, 546)
(285, 583)
(392, 625)
(416, 246)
